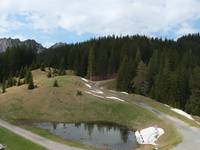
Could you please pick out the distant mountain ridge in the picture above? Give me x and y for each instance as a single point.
(59, 44)
(6, 43)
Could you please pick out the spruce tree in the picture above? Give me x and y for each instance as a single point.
(28, 76)
(55, 84)
(30, 82)
(153, 68)
(125, 74)
(121, 76)
(91, 65)
(62, 68)
(193, 105)
(162, 83)
(138, 56)
(140, 80)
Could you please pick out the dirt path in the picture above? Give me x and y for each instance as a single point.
(190, 135)
(46, 143)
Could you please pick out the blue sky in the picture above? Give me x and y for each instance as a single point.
(51, 21)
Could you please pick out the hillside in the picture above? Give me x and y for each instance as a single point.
(61, 104)
(165, 70)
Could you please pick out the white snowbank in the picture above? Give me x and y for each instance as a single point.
(115, 98)
(112, 91)
(124, 93)
(88, 85)
(96, 91)
(84, 79)
(197, 122)
(167, 105)
(2, 146)
(99, 96)
(149, 135)
(181, 112)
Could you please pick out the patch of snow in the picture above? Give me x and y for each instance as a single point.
(88, 85)
(97, 91)
(149, 135)
(84, 79)
(99, 96)
(181, 112)
(112, 91)
(115, 98)
(2, 147)
(124, 93)
(167, 105)
(197, 122)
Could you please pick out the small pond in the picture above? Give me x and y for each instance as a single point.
(99, 135)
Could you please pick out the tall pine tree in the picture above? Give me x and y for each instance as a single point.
(91, 65)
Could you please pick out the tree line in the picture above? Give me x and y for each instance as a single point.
(165, 70)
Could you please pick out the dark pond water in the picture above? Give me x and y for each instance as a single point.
(99, 135)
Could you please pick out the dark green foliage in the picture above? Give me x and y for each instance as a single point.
(28, 76)
(193, 105)
(126, 74)
(62, 68)
(14, 59)
(31, 84)
(29, 80)
(153, 68)
(91, 65)
(140, 80)
(55, 83)
(138, 56)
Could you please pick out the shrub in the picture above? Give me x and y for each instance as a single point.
(79, 93)
(49, 75)
(55, 84)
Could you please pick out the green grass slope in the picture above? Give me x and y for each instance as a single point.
(48, 103)
(15, 142)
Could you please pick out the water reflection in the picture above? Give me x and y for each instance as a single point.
(100, 135)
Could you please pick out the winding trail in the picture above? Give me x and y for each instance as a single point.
(44, 142)
(190, 135)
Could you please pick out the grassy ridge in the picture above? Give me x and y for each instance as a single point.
(61, 104)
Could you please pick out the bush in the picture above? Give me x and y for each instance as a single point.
(31, 85)
(55, 84)
(42, 68)
(79, 93)
(49, 75)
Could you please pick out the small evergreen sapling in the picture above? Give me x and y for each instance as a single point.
(55, 84)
